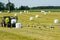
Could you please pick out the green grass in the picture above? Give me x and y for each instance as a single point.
(30, 33)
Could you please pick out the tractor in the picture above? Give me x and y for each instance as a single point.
(3, 23)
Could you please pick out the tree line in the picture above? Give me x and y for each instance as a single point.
(10, 6)
(46, 7)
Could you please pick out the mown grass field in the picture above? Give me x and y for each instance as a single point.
(32, 33)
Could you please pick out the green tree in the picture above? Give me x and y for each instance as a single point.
(24, 8)
(2, 6)
(10, 6)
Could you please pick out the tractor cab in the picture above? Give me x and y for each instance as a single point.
(8, 19)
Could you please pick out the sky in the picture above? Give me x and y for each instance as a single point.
(33, 3)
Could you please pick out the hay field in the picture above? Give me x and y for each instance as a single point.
(45, 32)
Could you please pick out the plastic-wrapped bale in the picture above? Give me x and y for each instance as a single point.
(15, 14)
(20, 12)
(42, 11)
(45, 13)
(18, 25)
(0, 12)
(24, 11)
(8, 11)
(13, 22)
(31, 18)
(37, 16)
(56, 21)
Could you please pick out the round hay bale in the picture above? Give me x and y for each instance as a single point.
(24, 11)
(31, 18)
(15, 14)
(45, 13)
(56, 21)
(8, 11)
(42, 11)
(0, 12)
(20, 12)
(37, 16)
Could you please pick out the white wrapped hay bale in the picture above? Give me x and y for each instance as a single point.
(42, 11)
(45, 13)
(0, 12)
(21, 12)
(37, 16)
(15, 14)
(56, 21)
(13, 21)
(18, 25)
(8, 11)
(24, 11)
(31, 18)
